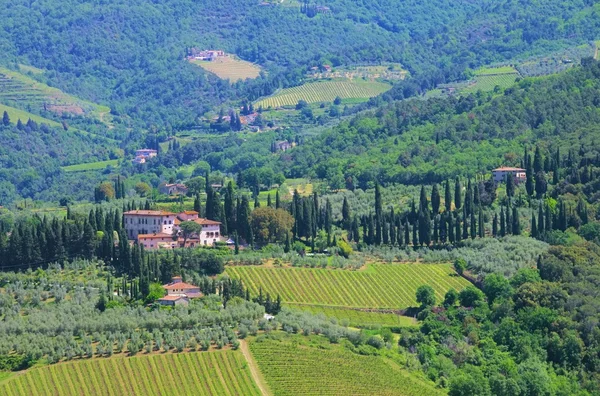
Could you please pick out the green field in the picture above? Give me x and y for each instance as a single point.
(230, 68)
(90, 166)
(20, 90)
(312, 366)
(357, 318)
(325, 91)
(197, 373)
(379, 286)
(486, 79)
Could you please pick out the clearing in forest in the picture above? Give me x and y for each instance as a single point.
(295, 365)
(195, 373)
(230, 68)
(91, 166)
(383, 286)
(486, 79)
(325, 91)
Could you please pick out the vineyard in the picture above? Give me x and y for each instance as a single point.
(357, 318)
(292, 369)
(325, 91)
(487, 79)
(199, 373)
(379, 286)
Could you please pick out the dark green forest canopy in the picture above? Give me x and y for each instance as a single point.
(129, 54)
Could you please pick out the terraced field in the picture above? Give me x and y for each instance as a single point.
(357, 318)
(198, 373)
(391, 286)
(296, 366)
(22, 91)
(325, 91)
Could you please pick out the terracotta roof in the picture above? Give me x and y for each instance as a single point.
(155, 236)
(193, 295)
(171, 298)
(190, 212)
(508, 168)
(176, 221)
(179, 285)
(206, 222)
(149, 213)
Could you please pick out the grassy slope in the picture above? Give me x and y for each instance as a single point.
(90, 166)
(232, 69)
(197, 373)
(297, 365)
(357, 318)
(379, 286)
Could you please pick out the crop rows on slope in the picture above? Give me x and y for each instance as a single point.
(324, 91)
(291, 369)
(379, 286)
(206, 373)
(357, 318)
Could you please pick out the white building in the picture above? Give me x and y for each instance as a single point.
(145, 222)
(159, 229)
(501, 173)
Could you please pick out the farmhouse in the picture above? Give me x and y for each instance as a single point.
(283, 145)
(156, 229)
(173, 300)
(173, 189)
(179, 292)
(206, 55)
(500, 174)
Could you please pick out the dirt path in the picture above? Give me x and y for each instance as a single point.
(254, 371)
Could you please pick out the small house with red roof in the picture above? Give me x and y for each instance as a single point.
(179, 292)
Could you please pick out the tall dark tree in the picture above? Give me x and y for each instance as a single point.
(516, 222)
(448, 197)
(346, 215)
(435, 199)
(5, 119)
(457, 193)
(378, 214)
(423, 201)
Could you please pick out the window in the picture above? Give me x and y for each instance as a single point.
(170, 221)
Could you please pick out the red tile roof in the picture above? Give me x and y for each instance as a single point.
(190, 212)
(149, 213)
(179, 285)
(206, 222)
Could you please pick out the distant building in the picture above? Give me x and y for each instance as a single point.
(142, 155)
(500, 174)
(173, 189)
(148, 222)
(206, 55)
(282, 145)
(155, 229)
(174, 300)
(179, 292)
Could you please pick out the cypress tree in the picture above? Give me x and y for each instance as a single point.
(451, 233)
(269, 204)
(355, 231)
(457, 228)
(516, 223)
(481, 225)
(5, 119)
(424, 228)
(415, 234)
(423, 202)
(465, 231)
(529, 183)
(510, 185)
(435, 199)
(538, 161)
(256, 202)
(502, 222)
(378, 214)
(473, 225)
(436, 226)
(277, 202)
(540, 225)
(457, 194)
(534, 230)
(406, 234)
(548, 222)
(495, 225)
(469, 199)
(346, 219)
(448, 197)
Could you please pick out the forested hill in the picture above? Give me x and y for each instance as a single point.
(429, 141)
(129, 54)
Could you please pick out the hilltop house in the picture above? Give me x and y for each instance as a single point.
(206, 55)
(282, 145)
(159, 229)
(173, 189)
(500, 174)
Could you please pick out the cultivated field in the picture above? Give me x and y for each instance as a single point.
(325, 91)
(300, 366)
(230, 68)
(487, 79)
(18, 89)
(198, 373)
(379, 286)
(357, 318)
(90, 166)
